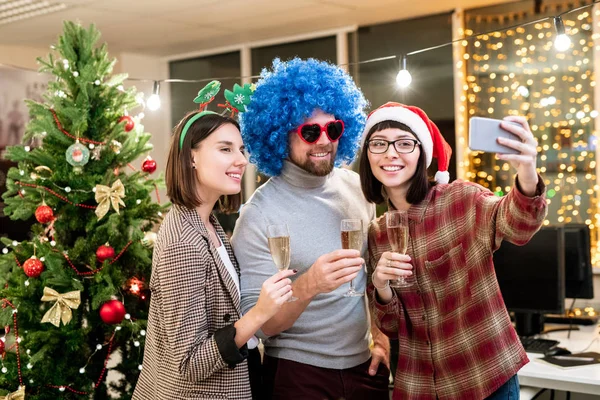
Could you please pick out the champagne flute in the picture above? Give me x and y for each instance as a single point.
(397, 230)
(352, 238)
(279, 246)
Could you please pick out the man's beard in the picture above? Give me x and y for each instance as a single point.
(320, 168)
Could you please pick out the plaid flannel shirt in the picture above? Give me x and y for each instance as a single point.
(456, 340)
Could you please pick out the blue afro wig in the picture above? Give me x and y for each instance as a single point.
(288, 95)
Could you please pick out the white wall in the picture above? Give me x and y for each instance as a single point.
(155, 122)
(19, 56)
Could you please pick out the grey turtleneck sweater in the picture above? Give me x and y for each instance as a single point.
(332, 332)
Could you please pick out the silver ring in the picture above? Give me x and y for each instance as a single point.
(389, 263)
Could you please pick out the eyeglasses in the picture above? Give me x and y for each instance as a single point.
(402, 146)
(310, 133)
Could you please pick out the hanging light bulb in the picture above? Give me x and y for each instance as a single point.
(523, 91)
(153, 102)
(562, 41)
(403, 79)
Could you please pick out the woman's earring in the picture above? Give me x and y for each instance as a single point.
(194, 166)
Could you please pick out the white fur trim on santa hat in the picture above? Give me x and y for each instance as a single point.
(442, 177)
(408, 118)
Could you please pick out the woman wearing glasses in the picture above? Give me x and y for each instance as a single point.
(454, 333)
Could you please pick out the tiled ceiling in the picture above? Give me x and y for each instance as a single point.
(162, 28)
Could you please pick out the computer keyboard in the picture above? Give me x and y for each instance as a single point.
(571, 320)
(533, 345)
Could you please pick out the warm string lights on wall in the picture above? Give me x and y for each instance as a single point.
(519, 71)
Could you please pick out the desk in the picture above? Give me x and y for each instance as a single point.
(577, 379)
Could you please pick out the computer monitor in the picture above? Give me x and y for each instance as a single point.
(579, 278)
(532, 278)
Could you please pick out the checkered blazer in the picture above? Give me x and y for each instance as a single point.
(189, 352)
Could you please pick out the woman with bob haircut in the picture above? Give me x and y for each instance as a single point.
(196, 341)
(455, 337)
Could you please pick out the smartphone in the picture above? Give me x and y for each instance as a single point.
(484, 134)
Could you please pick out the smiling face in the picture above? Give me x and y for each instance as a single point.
(220, 163)
(391, 168)
(317, 158)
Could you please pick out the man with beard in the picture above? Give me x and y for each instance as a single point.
(305, 118)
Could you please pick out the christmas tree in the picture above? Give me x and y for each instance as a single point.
(77, 292)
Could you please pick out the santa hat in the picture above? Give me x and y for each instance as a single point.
(432, 141)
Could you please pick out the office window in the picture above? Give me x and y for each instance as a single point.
(321, 48)
(432, 87)
(216, 66)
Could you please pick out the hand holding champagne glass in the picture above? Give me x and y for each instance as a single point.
(352, 238)
(279, 246)
(398, 235)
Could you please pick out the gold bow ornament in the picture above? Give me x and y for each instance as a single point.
(18, 395)
(61, 310)
(105, 196)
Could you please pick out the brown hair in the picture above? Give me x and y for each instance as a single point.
(372, 188)
(180, 177)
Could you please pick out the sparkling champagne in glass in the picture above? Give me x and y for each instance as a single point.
(397, 229)
(280, 251)
(352, 238)
(279, 246)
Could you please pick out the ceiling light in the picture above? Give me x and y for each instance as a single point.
(18, 10)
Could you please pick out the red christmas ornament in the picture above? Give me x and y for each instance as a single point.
(149, 165)
(112, 312)
(2, 346)
(44, 214)
(129, 124)
(33, 267)
(105, 252)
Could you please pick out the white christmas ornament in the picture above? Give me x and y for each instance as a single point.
(149, 239)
